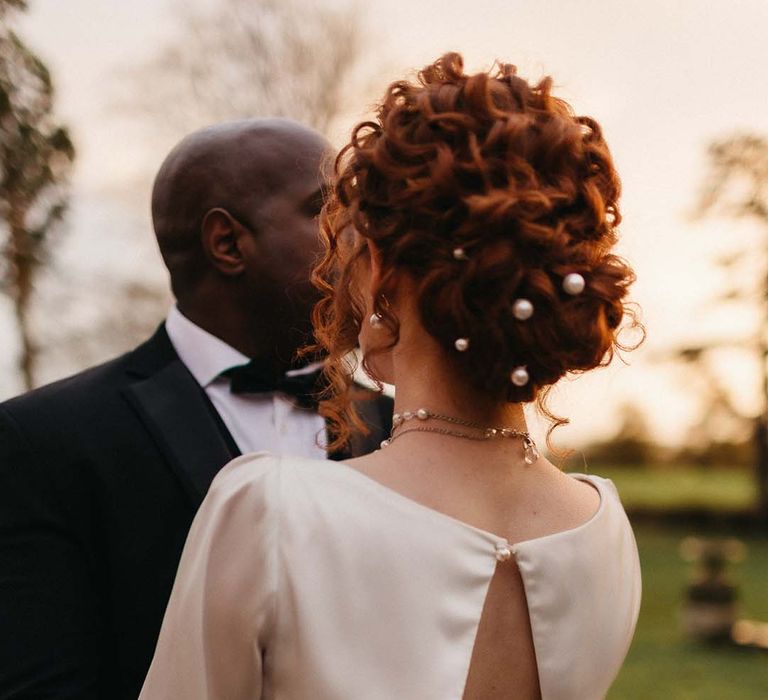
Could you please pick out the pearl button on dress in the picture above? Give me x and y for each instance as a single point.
(503, 553)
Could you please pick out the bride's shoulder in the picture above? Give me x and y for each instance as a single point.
(260, 471)
(265, 488)
(574, 503)
(592, 492)
(246, 479)
(585, 494)
(245, 469)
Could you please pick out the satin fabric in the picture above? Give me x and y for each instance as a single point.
(305, 579)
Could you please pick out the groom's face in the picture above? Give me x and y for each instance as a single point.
(284, 246)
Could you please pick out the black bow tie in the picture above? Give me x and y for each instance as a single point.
(253, 378)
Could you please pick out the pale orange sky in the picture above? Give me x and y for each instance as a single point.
(663, 77)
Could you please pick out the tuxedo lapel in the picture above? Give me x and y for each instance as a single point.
(175, 411)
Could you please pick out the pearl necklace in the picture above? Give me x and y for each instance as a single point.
(530, 455)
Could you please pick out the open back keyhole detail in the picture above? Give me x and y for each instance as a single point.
(503, 663)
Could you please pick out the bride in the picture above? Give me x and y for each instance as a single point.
(468, 253)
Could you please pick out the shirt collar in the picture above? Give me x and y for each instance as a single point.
(205, 355)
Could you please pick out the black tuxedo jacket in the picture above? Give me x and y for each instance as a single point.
(100, 477)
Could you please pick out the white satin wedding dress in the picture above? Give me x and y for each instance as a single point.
(307, 580)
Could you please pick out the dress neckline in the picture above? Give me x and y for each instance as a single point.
(497, 539)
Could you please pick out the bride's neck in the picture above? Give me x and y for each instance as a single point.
(425, 378)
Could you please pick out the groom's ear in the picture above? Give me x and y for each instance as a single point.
(221, 237)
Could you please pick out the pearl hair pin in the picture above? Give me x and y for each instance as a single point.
(573, 284)
(519, 376)
(461, 344)
(522, 309)
(459, 254)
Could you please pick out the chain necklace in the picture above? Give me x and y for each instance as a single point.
(530, 455)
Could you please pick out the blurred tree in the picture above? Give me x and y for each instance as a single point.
(36, 154)
(227, 60)
(251, 58)
(125, 312)
(737, 185)
(632, 445)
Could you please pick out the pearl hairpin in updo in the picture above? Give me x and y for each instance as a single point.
(461, 344)
(519, 376)
(522, 309)
(459, 254)
(573, 284)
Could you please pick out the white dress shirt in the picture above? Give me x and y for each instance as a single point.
(257, 422)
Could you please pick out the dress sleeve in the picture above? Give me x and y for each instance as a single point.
(216, 630)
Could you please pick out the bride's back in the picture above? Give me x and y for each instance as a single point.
(493, 490)
(303, 579)
(503, 661)
(504, 658)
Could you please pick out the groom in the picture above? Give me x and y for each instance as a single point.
(101, 473)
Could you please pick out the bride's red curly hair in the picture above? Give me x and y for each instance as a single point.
(505, 171)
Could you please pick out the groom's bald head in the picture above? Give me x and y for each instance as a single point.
(239, 167)
(234, 208)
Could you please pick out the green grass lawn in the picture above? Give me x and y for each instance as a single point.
(666, 487)
(661, 662)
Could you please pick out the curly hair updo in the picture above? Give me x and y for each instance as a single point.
(526, 191)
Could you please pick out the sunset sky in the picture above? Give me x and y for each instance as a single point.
(664, 77)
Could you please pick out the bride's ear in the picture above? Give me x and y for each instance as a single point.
(374, 262)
